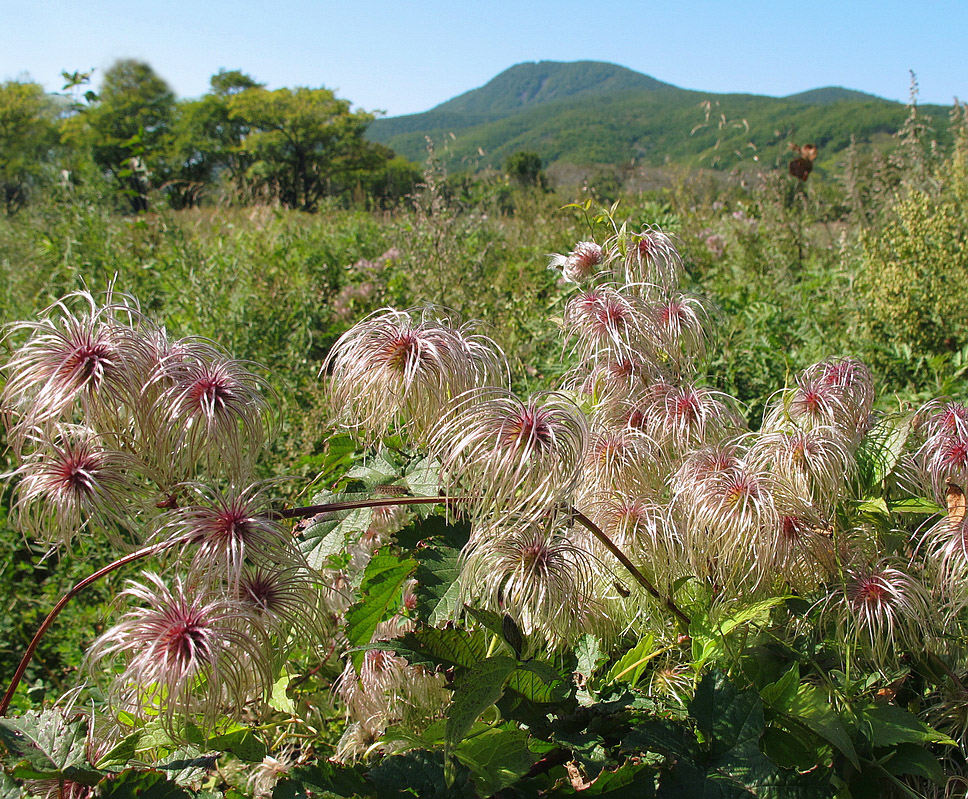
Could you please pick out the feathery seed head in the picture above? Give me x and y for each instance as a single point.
(217, 412)
(581, 264)
(71, 480)
(391, 369)
(230, 530)
(186, 654)
(91, 357)
(882, 609)
(510, 455)
(652, 259)
(536, 573)
(604, 322)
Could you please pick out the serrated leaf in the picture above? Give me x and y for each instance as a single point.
(443, 532)
(662, 736)
(423, 478)
(329, 533)
(590, 656)
(123, 752)
(144, 784)
(478, 688)
(811, 707)
(324, 776)
(382, 584)
(241, 742)
(538, 681)
(630, 781)
(379, 469)
(488, 619)
(731, 721)
(782, 692)
(49, 743)
(8, 788)
(881, 450)
(430, 646)
(438, 585)
(497, 758)
(419, 774)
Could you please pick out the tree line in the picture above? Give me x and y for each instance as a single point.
(239, 142)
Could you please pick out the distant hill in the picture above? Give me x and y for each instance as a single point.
(589, 113)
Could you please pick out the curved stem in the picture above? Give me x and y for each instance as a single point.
(331, 507)
(299, 513)
(629, 566)
(153, 549)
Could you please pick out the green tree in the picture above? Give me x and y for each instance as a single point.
(304, 144)
(27, 137)
(206, 144)
(130, 127)
(524, 167)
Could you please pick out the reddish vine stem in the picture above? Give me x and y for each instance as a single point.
(144, 552)
(300, 513)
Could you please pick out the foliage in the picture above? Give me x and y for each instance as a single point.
(27, 137)
(426, 665)
(128, 128)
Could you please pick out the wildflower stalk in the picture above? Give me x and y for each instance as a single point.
(596, 531)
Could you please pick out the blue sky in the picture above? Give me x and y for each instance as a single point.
(403, 57)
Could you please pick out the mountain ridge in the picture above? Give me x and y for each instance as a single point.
(597, 113)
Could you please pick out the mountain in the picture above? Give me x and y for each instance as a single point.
(590, 113)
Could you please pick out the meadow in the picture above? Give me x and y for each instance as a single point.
(722, 552)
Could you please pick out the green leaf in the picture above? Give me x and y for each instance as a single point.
(329, 534)
(419, 774)
(666, 737)
(629, 781)
(123, 752)
(731, 721)
(496, 758)
(430, 646)
(590, 656)
(915, 505)
(488, 619)
(423, 478)
(382, 584)
(438, 586)
(631, 665)
(439, 530)
(888, 725)
(913, 759)
(539, 682)
(881, 450)
(788, 750)
(477, 689)
(811, 707)
(324, 776)
(380, 469)
(279, 699)
(144, 784)
(782, 692)
(875, 505)
(241, 742)
(8, 788)
(49, 743)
